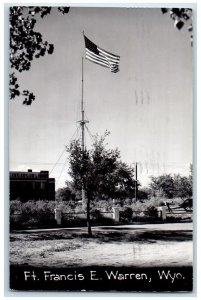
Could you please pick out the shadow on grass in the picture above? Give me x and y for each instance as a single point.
(116, 236)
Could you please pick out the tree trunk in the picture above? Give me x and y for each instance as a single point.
(88, 216)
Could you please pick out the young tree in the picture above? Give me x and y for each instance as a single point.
(163, 185)
(100, 172)
(183, 186)
(26, 44)
(172, 186)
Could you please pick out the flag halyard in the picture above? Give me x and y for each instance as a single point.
(101, 56)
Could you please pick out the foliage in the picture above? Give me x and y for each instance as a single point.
(172, 186)
(66, 194)
(15, 206)
(32, 213)
(102, 205)
(143, 193)
(40, 214)
(181, 17)
(183, 186)
(96, 214)
(140, 207)
(151, 211)
(126, 214)
(100, 172)
(26, 44)
(162, 185)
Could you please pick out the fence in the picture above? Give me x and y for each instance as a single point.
(176, 212)
(116, 216)
(162, 214)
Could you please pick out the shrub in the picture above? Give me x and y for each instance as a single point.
(151, 211)
(102, 205)
(31, 214)
(15, 206)
(96, 214)
(126, 214)
(70, 219)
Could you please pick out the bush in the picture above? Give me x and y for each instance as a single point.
(31, 214)
(15, 206)
(151, 212)
(102, 205)
(40, 214)
(126, 214)
(70, 219)
(79, 219)
(96, 214)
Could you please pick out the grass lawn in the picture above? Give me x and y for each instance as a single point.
(143, 245)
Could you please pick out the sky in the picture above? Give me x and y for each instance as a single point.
(147, 106)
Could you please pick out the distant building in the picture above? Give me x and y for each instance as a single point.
(31, 186)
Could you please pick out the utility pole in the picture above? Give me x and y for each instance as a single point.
(136, 182)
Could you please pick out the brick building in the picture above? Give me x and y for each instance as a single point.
(31, 186)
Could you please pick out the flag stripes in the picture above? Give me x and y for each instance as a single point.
(101, 57)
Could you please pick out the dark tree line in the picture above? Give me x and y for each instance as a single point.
(172, 186)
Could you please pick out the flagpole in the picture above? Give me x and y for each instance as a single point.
(82, 141)
(82, 124)
(82, 112)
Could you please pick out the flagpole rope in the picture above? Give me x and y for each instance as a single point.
(61, 171)
(64, 149)
(57, 160)
(74, 135)
(90, 134)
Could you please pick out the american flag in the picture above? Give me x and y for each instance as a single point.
(101, 57)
